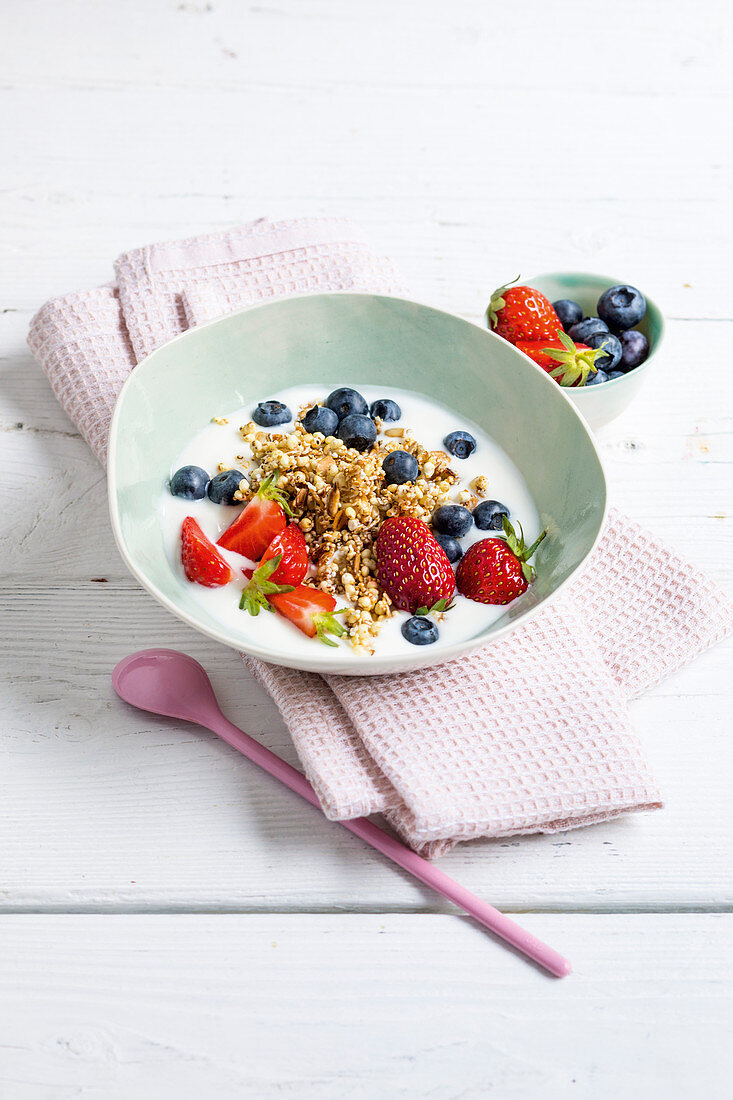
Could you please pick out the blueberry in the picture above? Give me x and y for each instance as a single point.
(190, 483)
(320, 419)
(489, 515)
(223, 487)
(611, 349)
(634, 349)
(580, 332)
(596, 379)
(346, 402)
(621, 306)
(452, 547)
(615, 374)
(269, 413)
(385, 409)
(568, 311)
(420, 631)
(357, 431)
(452, 519)
(399, 467)
(460, 444)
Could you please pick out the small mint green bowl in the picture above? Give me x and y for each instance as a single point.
(603, 403)
(351, 339)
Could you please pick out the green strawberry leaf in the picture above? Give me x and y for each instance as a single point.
(254, 596)
(269, 490)
(325, 624)
(498, 302)
(521, 551)
(439, 608)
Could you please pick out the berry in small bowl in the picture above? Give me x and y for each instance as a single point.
(602, 382)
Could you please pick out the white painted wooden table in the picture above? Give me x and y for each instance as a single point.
(173, 924)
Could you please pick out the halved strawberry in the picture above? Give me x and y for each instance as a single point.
(283, 565)
(259, 521)
(201, 560)
(256, 595)
(311, 610)
(568, 363)
(290, 545)
(412, 566)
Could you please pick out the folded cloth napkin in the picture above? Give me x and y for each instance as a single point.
(530, 734)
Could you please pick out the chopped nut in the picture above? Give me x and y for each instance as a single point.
(340, 500)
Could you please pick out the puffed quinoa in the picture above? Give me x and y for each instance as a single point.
(339, 500)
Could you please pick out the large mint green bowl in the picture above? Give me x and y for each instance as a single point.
(351, 339)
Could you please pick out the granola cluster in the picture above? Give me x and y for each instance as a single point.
(339, 500)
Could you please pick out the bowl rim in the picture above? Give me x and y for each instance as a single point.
(637, 372)
(379, 665)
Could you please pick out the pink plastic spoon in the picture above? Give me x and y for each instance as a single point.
(164, 681)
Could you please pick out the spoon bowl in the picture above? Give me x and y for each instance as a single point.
(166, 682)
(173, 684)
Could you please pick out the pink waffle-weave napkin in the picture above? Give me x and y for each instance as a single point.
(509, 740)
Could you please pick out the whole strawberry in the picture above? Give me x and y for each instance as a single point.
(522, 313)
(412, 566)
(497, 570)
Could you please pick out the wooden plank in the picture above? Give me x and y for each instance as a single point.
(264, 44)
(107, 807)
(362, 1006)
(456, 224)
(449, 246)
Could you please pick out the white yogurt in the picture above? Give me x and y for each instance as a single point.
(430, 423)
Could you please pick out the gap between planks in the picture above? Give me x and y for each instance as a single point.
(188, 909)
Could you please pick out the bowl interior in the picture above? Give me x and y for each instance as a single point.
(351, 339)
(586, 289)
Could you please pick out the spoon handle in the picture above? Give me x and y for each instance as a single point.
(399, 853)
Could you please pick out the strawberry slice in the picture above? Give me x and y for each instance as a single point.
(256, 596)
(291, 546)
(312, 611)
(259, 521)
(283, 565)
(201, 560)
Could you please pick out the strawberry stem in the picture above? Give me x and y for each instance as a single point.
(521, 551)
(269, 490)
(497, 302)
(439, 608)
(528, 553)
(574, 363)
(254, 596)
(325, 623)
